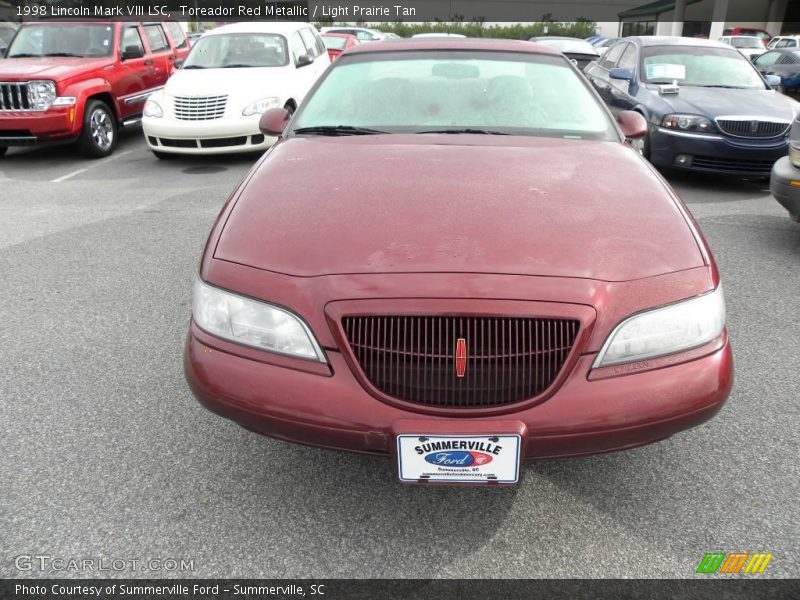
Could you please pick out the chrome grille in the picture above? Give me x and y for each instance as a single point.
(503, 359)
(753, 128)
(199, 108)
(15, 97)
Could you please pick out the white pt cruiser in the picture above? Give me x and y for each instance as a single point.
(213, 103)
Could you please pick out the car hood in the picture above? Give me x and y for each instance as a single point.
(53, 68)
(234, 82)
(466, 203)
(718, 102)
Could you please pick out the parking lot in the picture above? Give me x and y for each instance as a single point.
(107, 454)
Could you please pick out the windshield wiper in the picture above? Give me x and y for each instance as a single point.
(192, 67)
(24, 55)
(238, 66)
(466, 130)
(68, 54)
(338, 130)
(727, 87)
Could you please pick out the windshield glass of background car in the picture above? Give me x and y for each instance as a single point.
(524, 94)
(752, 42)
(82, 40)
(238, 50)
(699, 66)
(335, 43)
(570, 46)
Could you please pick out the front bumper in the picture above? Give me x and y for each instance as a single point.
(28, 128)
(714, 153)
(784, 183)
(219, 136)
(331, 409)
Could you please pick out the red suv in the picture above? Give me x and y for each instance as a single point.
(81, 81)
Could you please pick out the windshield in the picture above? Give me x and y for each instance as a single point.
(238, 50)
(429, 91)
(74, 39)
(699, 66)
(571, 46)
(747, 42)
(335, 43)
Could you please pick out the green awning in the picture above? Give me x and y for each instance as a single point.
(652, 9)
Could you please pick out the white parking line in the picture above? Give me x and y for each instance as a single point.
(97, 164)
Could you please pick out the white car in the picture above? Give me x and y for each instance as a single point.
(784, 41)
(747, 45)
(212, 104)
(362, 34)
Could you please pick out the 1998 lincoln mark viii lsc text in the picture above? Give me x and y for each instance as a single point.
(453, 257)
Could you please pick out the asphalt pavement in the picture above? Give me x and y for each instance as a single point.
(104, 453)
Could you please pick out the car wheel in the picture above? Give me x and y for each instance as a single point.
(162, 155)
(99, 134)
(3, 150)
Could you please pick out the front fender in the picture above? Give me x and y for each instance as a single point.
(85, 89)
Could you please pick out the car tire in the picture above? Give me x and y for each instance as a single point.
(162, 155)
(99, 135)
(3, 150)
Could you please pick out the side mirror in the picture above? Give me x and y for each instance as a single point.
(178, 64)
(619, 73)
(633, 124)
(132, 52)
(274, 121)
(773, 80)
(304, 60)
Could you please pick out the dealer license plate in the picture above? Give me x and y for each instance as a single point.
(458, 458)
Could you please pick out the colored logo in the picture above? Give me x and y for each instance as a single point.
(458, 458)
(461, 357)
(734, 562)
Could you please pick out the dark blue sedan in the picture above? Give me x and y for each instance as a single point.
(707, 106)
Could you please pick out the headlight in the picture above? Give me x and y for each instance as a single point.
(688, 123)
(252, 323)
(666, 330)
(41, 94)
(261, 106)
(794, 156)
(153, 109)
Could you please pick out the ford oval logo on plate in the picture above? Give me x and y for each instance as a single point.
(458, 458)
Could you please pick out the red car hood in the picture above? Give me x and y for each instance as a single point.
(53, 68)
(466, 203)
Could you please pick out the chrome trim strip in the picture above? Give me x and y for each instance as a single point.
(689, 134)
(142, 95)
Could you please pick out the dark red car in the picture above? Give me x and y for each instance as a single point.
(81, 81)
(487, 272)
(336, 43)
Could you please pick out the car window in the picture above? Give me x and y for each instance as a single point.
(132, 37)
(334, 43)
(767, 59)
(788, 59)
(699, 66)
(424, 91)
(298, 48)
(364, 36)
(628, 59)
(611, 56)
(238, 50)
(310, 42)
(177, 34)
(156, 38)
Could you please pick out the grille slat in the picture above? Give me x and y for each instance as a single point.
(200, 108)
(753, 128)
(413, 358)
(15, 97)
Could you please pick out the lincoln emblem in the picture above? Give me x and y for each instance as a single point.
(461, 357)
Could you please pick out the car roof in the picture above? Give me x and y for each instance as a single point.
(279, 27)
(671, 40)
(444, 43)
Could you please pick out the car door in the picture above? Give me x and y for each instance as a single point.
(598, 72)
(178, 40)
(767, 61)
(133, 79)
(303, 76)
(161, 56)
